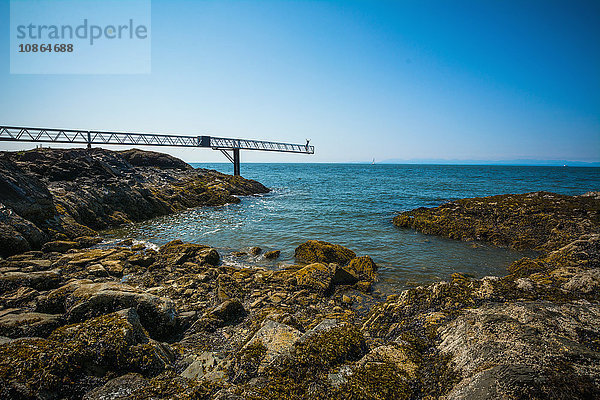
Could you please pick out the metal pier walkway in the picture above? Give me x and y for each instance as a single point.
(89, 138)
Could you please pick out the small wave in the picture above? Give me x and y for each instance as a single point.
(210, 232)
(146, 243)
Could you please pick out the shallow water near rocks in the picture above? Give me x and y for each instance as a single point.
(353, 205)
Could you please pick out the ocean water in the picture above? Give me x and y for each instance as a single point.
(353, 205)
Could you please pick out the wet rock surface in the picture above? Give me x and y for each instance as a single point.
(126, 321)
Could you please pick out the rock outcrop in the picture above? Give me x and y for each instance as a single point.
(525, 350)
(318, 251)
(68, 363)
(60, 194)
(530, 334)
(539, 221)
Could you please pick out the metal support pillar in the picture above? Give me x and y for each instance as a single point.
(236, 162)
(89, 140)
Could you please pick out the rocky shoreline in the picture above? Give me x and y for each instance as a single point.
(61, 194)
(125, 321)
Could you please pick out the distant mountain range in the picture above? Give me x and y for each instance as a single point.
(524, 162)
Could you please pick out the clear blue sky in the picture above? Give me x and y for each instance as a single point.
(484, 80)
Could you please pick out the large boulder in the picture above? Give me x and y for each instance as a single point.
(30, 324)
(363, 268)
(176, 253)
(86, 300)
(75, 357)
(525, 350)
(316, 276)
(319, 251)
(39, 280)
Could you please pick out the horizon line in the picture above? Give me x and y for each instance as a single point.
(572, 164)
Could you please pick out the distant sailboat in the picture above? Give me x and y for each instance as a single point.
(373, 163)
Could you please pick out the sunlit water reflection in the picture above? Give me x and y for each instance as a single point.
(353, 205)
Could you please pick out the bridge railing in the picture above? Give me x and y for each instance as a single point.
(48, 135)
(247, 144)
(89, 137)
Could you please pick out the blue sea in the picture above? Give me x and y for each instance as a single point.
(353, 205)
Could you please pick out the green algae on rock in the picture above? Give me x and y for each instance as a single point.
(60, 366)
(318, 251)
(539, 221)
(363, 268)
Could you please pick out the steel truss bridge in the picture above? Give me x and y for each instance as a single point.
(230, 147)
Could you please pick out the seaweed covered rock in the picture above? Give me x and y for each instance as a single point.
(539, 221)
(82, 301)
(230, 311)
(59, 246)
(176, 253)
(118, 388)
(304, 372)
(386, 372)
(363, 268)
(272, 255)
(317, 251)
(75, 358)
(276, 338)
(169, 385)
(316, 276)
(341, 276)
(297, 331)
(569, 273)
(203, 366)
(529, 334)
